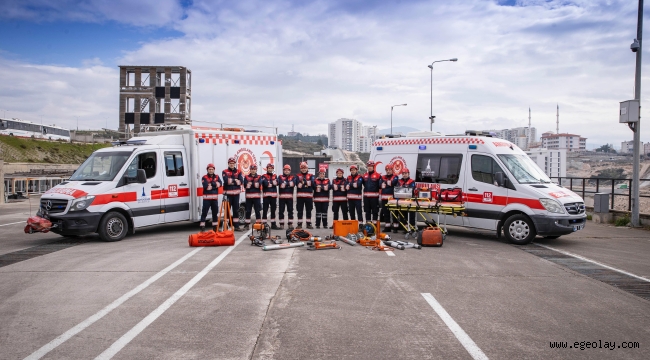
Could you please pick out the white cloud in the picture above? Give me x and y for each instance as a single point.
(261, 63)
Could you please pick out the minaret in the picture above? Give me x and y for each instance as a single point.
(557, 120)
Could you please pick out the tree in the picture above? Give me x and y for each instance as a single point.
(319, 142)
(607, 148)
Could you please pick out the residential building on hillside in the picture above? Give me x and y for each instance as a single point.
(570, 142)
(552, 161)
(627, 147)
(646, 149)
(523, 137)
(346, 134)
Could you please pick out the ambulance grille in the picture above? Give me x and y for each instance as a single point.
(575, 208)
(54, 206)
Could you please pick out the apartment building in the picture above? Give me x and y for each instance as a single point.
(570, 142)
(552, 161)
(523, 137)
(346, 134)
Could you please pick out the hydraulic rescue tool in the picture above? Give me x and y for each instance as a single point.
(322, 244)
(261, 232)
(371, 237)
(283, 246)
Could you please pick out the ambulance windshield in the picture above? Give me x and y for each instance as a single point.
(524, 169)
(101, 166)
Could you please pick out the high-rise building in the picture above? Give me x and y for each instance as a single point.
(552, 161)
(523, 137)
(346, 134)
(154, 95)
(570, 142)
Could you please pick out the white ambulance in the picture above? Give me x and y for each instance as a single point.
(151, 179)
(503, 188)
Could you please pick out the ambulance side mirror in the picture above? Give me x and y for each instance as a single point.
(141, 177)
(500, 179)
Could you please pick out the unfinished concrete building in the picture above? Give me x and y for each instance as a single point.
(154, 95)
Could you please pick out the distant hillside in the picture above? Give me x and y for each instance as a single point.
(300, 146)
(39, 151)
(396, 129)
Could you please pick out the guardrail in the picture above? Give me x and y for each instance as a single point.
(584, 186)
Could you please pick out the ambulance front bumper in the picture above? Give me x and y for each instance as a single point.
(75, 223)
(558, 225)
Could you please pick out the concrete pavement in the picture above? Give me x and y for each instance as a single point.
(290, 304)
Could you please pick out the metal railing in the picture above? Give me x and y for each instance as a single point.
(585, 186)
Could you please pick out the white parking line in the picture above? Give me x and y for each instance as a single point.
(594, 262)
(20, 222)
(460, 334)
(101, 313)
(138, 328)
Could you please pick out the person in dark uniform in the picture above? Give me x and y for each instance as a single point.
(406, 181)
(371, 181)
(387, 191)
(232, 181)
(353, 186)
(269, 184)
(304, 194)
(211, 184)
(322, 197)
(253, 196)
(287, 184)
(339, 195)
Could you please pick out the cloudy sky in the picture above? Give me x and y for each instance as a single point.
(311, 62)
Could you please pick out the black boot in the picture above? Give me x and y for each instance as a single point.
(275, 227)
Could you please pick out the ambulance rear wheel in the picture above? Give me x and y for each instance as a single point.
(519, 229)
(113, 227)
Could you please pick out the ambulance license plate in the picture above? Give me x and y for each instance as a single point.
(578, 227)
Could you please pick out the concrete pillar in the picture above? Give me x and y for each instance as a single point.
(2, 181)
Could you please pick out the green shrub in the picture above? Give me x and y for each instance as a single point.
(589, 217)
(622, 221)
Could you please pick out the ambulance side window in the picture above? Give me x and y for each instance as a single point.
(145, 161)
(174, 163)
(438, 168)
(484, 168)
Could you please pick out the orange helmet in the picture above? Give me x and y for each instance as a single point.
(287, 167)
(388, 167)
(210, 166)
(303, 165)
(353, 167)
(231, 160)
(269, 165)
(370, 163)
(253, 167)
(405, 171)
(339, 169)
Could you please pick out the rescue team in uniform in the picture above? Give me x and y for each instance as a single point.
(311, 191)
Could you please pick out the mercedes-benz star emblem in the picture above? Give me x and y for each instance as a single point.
(48, 205)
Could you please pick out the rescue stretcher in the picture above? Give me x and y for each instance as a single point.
(404, 209)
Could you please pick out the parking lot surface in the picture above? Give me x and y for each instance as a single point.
(152, 296)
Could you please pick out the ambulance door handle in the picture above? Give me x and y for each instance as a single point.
(182, 184)
(155, 186)
(472, 189)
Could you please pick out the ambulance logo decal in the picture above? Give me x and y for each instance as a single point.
(398, 163)
(144, 198)
(245, 158)
(487, 197)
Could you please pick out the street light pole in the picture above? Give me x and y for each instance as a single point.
(636, 125)
(391, 116)
(431, 117)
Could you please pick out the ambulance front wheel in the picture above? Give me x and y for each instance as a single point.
(519, 229)
(113, 227)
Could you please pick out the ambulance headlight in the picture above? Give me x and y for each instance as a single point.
(552, 206)
(82, 203)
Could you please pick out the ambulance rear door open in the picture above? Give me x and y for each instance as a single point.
(438, 170)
